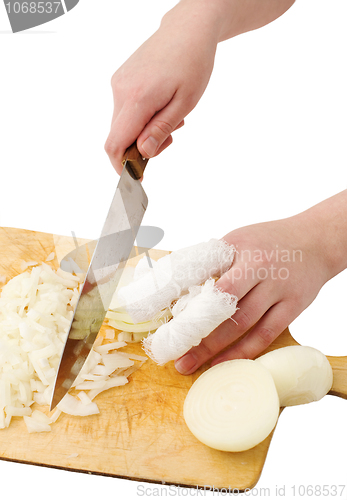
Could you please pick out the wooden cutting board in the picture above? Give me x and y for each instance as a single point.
(140, 433)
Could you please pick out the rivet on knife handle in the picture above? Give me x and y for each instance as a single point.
(134, 162)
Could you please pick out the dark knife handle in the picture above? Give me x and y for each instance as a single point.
(134, 162)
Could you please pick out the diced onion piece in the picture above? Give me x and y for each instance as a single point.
(233, 406)
(109, 334)
(39, 398)
(14, 411)
(301, 374)
(35, 426)
(89, 366)
(114, 361)
(84, 398)
(136, 356)
(24, 265)
(72, 406)
(133, 337)
(90, 385)
(100, 370)
(50, 257)
(40, 417)
(130, 370)
(103, 349)
(111, 382)
(54, 417)
(125, 336)
(91, 376)
(68, 276)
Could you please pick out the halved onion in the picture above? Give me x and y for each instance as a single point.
(233, 406)
(301, 374)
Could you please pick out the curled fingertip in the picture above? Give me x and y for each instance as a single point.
(186, 364)
(165, 145)
(149, 147)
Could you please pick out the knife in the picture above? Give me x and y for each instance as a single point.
(109, 258)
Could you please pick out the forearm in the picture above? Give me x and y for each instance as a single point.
(327, 223)
(228, 18)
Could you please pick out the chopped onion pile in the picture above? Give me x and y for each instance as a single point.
(36, 309)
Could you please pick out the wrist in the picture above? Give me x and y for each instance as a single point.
(200, 17)
(326, 226)
(228, 18)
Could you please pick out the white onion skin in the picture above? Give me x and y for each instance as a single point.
(233, 406)
(301, 374)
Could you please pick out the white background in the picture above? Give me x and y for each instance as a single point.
(267, 140)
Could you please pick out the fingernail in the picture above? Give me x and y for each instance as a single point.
(150, 146)
(185, 364)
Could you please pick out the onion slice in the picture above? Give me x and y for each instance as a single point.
(233, 406)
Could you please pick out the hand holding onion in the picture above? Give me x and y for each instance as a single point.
(273, 292)
(276, 271)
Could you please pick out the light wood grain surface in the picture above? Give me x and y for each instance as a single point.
(140, 433)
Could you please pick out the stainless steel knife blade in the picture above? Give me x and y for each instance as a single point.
(109, 258)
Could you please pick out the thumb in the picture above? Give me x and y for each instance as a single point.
(156, 135)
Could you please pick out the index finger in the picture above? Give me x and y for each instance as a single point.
(125, 129)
